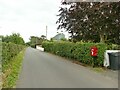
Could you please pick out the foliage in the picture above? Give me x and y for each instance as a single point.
(11, 63)
(34, 40)
(88, 21)
(27, 43)
(11, 74)
(11, 47)
(14, 38)
(9, 51)
(43, 36)
(78, 51)
(63, 39)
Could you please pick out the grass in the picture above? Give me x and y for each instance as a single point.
(10, 75)
(99, 69)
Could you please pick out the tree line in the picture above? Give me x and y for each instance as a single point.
(91, 21)
(35, 40)
(14, 38)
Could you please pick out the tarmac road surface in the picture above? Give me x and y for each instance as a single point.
(44, 70)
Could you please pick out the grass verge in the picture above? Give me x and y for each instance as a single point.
(99, 69)
(10, 76)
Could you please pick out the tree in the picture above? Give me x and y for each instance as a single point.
(14, 38)
(63, 39)
(34, 40)
(43, 37)
(28, 43)
(97, 22)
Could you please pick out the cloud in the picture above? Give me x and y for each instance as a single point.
(28, 17)
(28, 9)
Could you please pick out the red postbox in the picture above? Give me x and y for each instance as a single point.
(94, 51)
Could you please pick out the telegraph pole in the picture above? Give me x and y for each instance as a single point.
(46, 31)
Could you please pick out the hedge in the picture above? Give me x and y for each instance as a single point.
(9, 51)
(11, 75)
(77, 51)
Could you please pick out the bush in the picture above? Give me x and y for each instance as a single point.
(9, 51)
(77, 51)
(33, 46)
(11, 75)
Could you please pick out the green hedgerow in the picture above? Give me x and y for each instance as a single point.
(77, 51)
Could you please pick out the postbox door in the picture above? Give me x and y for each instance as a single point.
(94, 51)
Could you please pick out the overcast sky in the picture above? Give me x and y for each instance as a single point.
(29, 17)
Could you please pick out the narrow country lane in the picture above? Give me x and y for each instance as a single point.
(44, 70)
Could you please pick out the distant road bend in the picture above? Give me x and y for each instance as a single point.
(44, 70)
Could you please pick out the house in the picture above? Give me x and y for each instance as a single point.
(59, 36)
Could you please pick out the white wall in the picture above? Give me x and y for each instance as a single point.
(39, 48)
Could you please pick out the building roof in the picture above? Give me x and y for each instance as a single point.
(59, 36)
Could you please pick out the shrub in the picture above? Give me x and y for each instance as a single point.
(77, 51)
(9, 51)
(11, 75)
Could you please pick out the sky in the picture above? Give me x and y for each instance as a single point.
(29, 17)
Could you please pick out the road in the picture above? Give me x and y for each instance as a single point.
(44, 70)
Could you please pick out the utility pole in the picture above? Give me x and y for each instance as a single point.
(46, 31)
